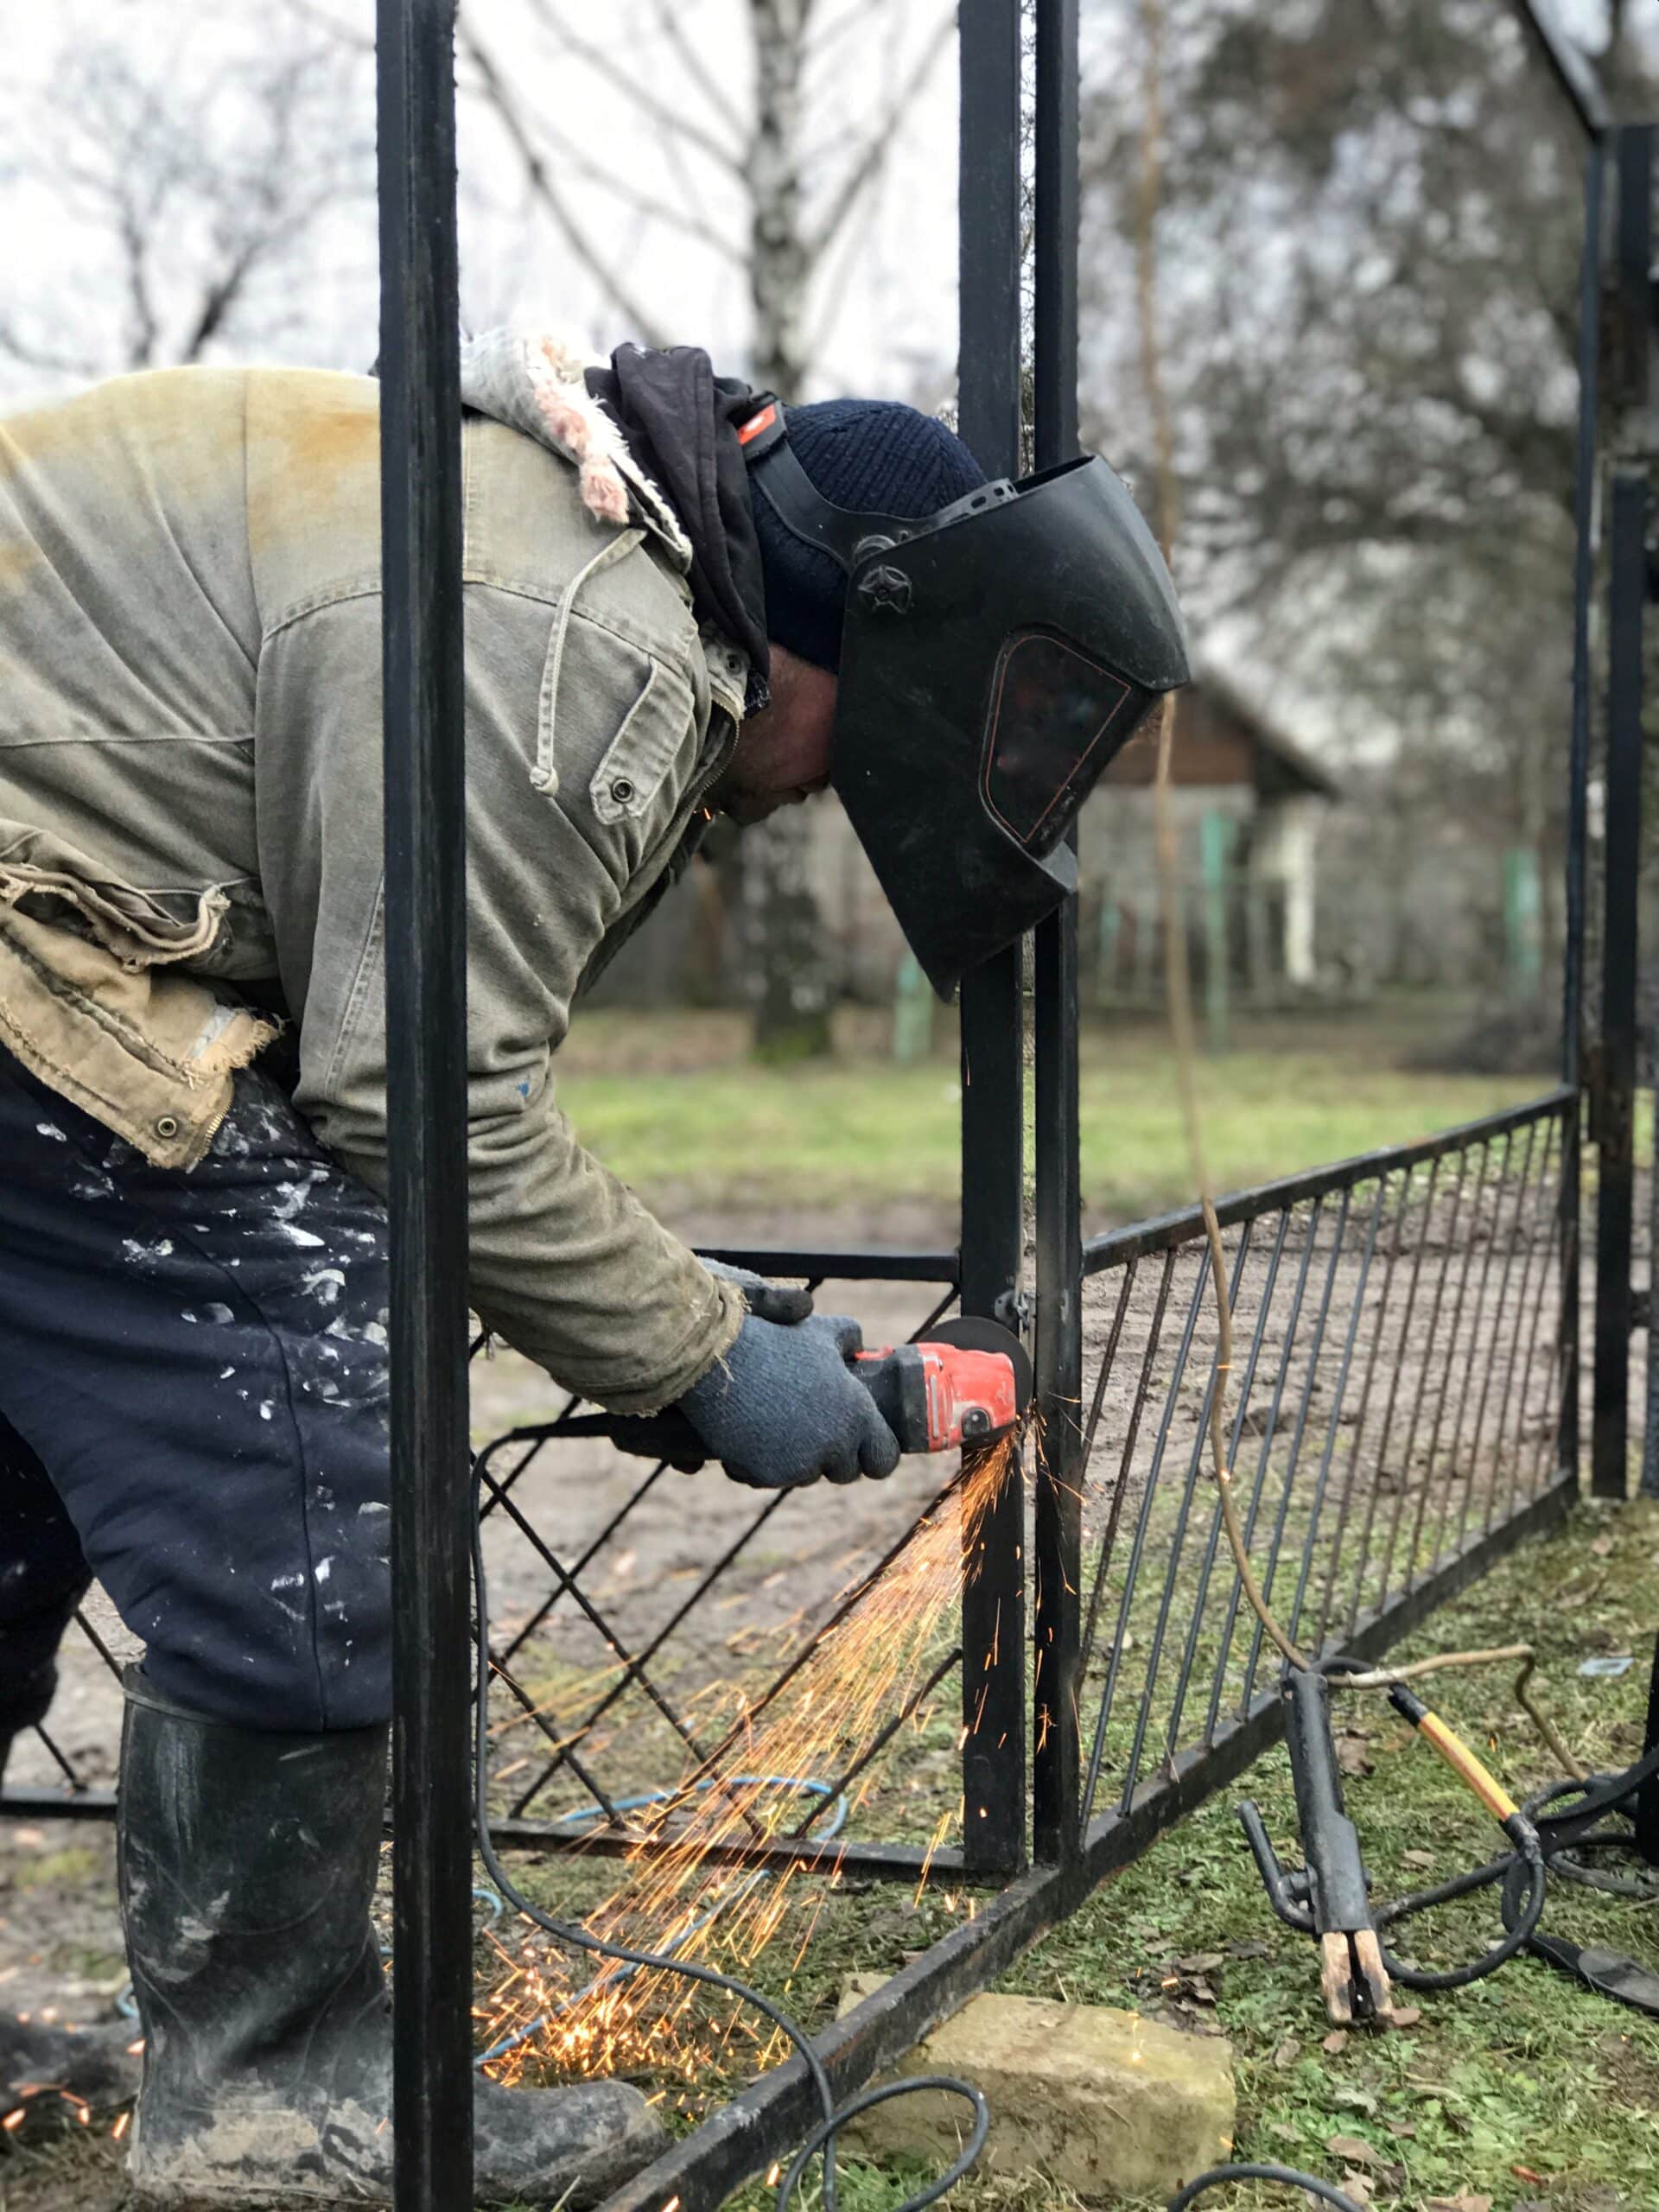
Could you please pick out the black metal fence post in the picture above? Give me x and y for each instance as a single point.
(1057, 1759)
(426, 1022)
(1585, 508)
(993, 1104)
(1615, 1087)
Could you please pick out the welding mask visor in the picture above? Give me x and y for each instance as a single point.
(994, 658)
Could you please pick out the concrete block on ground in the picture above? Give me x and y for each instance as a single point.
(1094, 2097)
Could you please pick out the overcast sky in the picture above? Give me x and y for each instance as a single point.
(884, 311)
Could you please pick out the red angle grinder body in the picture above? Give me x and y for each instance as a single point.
(967, 1386)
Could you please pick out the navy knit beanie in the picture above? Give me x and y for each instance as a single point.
(873, 456)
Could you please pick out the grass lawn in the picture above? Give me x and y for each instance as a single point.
(1522, 2091)
(671, 1103)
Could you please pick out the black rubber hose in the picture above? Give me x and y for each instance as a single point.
(1528, 1858)
(1291, 2177)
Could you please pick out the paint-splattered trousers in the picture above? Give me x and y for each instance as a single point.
(192, 1409)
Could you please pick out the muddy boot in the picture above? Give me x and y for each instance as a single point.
(248, 1863)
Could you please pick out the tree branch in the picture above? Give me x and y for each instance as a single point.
(541, 183)
(692, 225)
(19, 349)
(695, 68)
(655, 111)
(863, 170)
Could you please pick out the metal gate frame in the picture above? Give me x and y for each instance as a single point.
(1031, 1834)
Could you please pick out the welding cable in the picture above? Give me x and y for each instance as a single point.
(1527, 1857)
(834, 2117)
(1596, 1792)
(1288, 2177)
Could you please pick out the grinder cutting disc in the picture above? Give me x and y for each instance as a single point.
(970, 1333)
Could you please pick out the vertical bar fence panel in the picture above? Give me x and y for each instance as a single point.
(426, 1024)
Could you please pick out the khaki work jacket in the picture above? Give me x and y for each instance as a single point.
(190, 803)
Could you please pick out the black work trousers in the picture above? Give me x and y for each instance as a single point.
(192, 1409)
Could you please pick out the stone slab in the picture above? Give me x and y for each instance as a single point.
(1098, 2098)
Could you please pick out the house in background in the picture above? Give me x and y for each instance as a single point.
(1248, 805)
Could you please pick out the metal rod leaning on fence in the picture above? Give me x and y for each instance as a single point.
(426, 1021)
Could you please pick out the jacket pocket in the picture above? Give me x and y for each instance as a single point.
(653, 738)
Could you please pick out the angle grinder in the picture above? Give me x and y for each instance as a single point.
(966, 1387)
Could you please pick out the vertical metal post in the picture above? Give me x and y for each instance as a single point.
(993, 1117)
(1647, 1798)
(1615, 1089)
(426, 1024)
(1056, 1754)
(1585, 509)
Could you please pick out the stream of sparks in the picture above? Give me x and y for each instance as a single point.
(586, 2019)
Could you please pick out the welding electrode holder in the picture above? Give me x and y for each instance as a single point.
(1331, 1900)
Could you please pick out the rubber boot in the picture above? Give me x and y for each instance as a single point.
(52, 2070)
(248, 1864)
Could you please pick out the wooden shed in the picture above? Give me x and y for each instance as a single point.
(1248, 802)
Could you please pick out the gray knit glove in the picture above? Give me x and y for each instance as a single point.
(769, 1302)
(784, 1408)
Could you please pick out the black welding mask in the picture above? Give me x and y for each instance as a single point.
(994, 658)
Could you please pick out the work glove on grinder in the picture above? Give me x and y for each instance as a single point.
(784, 1407)
(768, 1302)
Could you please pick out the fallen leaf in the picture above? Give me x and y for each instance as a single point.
(1287, 2052)
(1353, 1753)
(1336, 2041)
(1284, 2131)
(1357, 2186)
(1252, 1950)
(1407, 2016)
(1356, 2150)
(1529, 2173)
(1467, 2202)
(1417, 1857)
(1403, 2128)
(1201, 1962)
(1602, 1546)
(1356, 2099)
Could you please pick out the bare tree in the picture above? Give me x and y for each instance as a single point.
(197, 206)
(796, 188)
(1368, 241)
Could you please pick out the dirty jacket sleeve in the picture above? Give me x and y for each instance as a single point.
(565, 1262)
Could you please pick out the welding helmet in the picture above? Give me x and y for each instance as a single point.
(994, 657)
